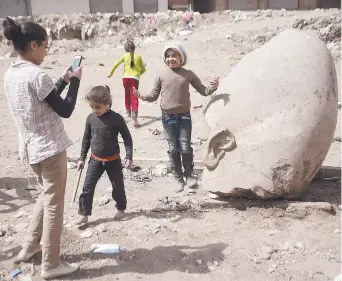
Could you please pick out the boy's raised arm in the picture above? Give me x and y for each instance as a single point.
(197, 84)
(86, 141)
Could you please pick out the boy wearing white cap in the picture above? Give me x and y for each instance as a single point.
(173, 86)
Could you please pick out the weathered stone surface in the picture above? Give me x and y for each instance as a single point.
(273, 119)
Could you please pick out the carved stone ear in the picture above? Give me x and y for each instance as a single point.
(217, 145)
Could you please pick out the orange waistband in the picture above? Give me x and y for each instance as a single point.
(106, 159)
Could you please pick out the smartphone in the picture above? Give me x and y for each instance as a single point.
(76, 62)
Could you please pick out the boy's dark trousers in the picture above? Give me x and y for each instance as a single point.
(94, 173)
(177, 128)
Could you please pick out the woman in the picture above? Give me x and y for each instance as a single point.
(37, 107)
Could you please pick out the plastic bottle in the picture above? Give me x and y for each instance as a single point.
(105, 248)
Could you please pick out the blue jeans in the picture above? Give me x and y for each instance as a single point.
(177, 128)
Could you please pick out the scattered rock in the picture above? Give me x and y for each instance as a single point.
(101, 228)
(32, 187)
(102, 201)
(265, 252)
(19, 214)
(155, 132)
(86, 234)
(160, 170)
(272, 268)
(20, 227)
(292, 247)
(337, 231)
(143, 176)
(272, 232)
(72, 165)
(185, 32)
(196, 141)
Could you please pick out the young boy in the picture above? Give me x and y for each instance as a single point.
(172, 84)
(101, 135)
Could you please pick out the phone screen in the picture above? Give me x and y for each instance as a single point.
(76, 61)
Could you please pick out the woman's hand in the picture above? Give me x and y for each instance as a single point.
(215, 83)
(77, 73)
(65, 75)
(128, 163)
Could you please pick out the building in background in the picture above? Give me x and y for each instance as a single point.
(207, 6)
(38, 7)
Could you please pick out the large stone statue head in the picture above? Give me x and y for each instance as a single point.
(272, 120)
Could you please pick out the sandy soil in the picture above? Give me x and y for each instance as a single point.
(169, 236)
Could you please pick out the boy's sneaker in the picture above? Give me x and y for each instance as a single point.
(119, 215)
(82, 220)
(191, 182)
(62, 270)
(26, 254)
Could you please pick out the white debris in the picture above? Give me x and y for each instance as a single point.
(86, 234)
(19, 214)
(160, 170)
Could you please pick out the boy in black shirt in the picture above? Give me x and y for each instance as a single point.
(101, 134)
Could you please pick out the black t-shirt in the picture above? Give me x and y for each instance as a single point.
(101, 134)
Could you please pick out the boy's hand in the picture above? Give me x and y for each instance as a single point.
(136, 93)
(215, 83)
(128, 163)
(80, 165)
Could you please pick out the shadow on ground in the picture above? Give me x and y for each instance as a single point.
(320, 195)
(20, 185)
(157, 260)
(182, 212)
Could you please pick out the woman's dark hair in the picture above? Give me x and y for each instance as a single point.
(21, 34)
(99, 95)
(130, 48)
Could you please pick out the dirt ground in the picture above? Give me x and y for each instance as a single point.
(169, 236)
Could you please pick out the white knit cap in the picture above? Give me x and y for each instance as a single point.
(178, 48)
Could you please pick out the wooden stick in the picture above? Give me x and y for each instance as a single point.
(77, 184)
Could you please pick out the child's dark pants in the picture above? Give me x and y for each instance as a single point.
(177, 129)
(94, 172)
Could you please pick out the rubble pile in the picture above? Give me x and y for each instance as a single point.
(88, 26)
(78, 32)
(328, 28)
